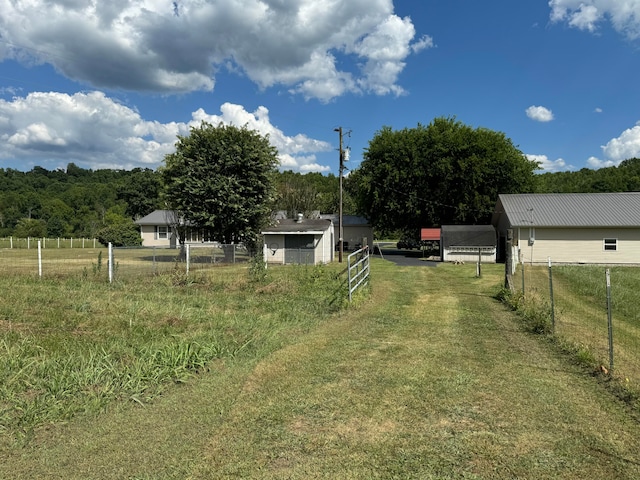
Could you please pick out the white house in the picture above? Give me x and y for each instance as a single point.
(304, 240)
(158, 230)
(593, 228)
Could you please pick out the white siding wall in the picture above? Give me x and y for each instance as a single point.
(327, 246)
(148, 233)
(274, 248)
(274, 251)
(455, 255)
(580, 245)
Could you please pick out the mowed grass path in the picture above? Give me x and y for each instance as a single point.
(429, 378)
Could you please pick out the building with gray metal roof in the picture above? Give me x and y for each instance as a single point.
(599, 228)
(570, 209)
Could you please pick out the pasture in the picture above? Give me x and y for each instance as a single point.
(232, 374)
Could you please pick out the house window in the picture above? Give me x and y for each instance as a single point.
(611, 244)
(163, 232)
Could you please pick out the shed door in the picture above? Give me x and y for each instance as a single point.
(299, 249)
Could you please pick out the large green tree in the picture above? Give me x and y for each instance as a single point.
(442, 173)
(220, 178)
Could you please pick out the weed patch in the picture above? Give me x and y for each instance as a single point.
(536, 317)
(97, 343)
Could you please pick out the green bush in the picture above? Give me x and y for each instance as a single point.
(120, 235)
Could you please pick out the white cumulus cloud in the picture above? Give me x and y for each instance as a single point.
(624, 15)
(539, 114)
(595, 163)
(317, 48)
(547, 165)
(294, 150)
(627, 145)
(52, 129)
(623, 147)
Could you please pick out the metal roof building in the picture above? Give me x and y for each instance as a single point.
(570, 209)
(597, 228)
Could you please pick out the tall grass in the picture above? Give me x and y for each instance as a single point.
(71, 346)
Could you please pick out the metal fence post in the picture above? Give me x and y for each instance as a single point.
(188, 255)
(110, 261)
(155, 265)
(609, 320)
(553, 313)
(349, 275)
(508, 261)
(39, 259)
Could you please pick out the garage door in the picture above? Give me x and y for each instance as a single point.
(299, 249)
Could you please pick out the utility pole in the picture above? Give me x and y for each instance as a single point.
(340, 245)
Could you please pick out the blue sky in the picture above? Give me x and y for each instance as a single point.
(111, 84)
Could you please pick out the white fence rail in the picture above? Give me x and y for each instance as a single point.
(60, 242)
(358, 270)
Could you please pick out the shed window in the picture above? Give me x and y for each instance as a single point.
(611, 244)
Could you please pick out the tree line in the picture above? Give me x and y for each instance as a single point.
(82, 203)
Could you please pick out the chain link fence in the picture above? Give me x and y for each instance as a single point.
(592, 308)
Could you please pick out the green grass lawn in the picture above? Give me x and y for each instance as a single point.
(427, 377)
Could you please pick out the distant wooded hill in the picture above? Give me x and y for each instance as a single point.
(623, 178)
(79, 202)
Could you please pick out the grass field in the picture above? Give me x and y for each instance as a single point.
(429, 376)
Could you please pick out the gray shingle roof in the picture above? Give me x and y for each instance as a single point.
(157, 217)
(570, 209)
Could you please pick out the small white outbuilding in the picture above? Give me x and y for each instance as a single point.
(303, 240)
(589, 228)
(468, 243)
